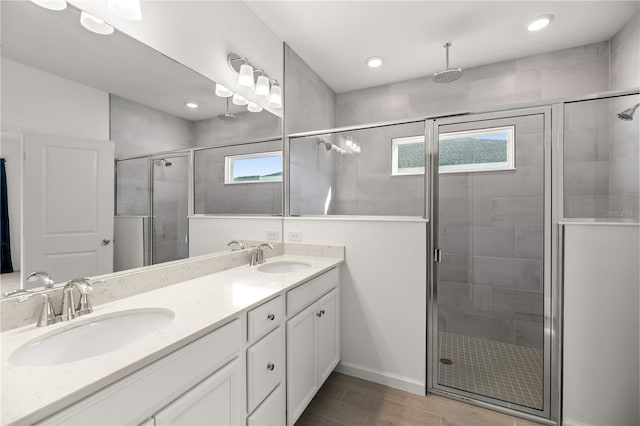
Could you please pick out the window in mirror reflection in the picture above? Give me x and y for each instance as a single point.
(253, 168)
(259, 162)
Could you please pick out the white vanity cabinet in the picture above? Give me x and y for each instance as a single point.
(313, 340)
(201, 383)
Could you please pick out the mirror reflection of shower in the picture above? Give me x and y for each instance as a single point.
(164, 162)
(350, 146)
(627, 114)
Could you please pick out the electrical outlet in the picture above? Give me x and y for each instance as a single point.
(273, 235)
(295, 236)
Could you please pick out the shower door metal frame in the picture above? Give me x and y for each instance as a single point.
(552, 349)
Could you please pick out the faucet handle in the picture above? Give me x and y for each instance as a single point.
(47, 314)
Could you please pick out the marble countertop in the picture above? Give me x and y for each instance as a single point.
(200, 305)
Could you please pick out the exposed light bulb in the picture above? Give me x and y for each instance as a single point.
(126, 9)
(262, 87)
(223, 91)
(94, 24)
(540, 22)
(254, 107)
(56, 5)
(239, 100)
(275, 98)
(245, 77)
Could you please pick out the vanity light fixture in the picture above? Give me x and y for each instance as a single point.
(94, 24)
(262, 86)
(191, 105)
(275, 98)
(56, 5)
(126, 9)
(375, 61)
(254, 107)
(239, 100)
(540, 22)
(222, 91)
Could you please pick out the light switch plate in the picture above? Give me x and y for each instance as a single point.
(295, 236)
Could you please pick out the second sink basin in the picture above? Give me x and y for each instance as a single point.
(91, 337)
(283, 267)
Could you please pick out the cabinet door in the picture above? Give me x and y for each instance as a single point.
(271, 412)
(328, 335)
(215, 401)
(302, 362)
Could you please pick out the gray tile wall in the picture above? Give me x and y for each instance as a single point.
(138, 129)
(568, 72)
(601, 160)
(625, 56)
(245, 127)
(491, 233)
(310, 104)
(212, 196)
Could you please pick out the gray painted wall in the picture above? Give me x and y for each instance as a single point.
(625, 56)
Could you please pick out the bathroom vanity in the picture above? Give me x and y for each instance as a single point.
(247, 345)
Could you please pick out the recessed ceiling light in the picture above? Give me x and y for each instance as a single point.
(94, 24)
(540, 22)
(375, 61)
(191, 105)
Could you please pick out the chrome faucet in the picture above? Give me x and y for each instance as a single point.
(69, 309)
(235, 242)
(257, 254)
(42, 276)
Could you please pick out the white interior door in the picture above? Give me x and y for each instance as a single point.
(69, 196)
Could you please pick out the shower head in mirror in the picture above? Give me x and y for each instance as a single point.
(165, 163)
(627, 114)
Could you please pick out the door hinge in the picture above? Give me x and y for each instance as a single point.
(437, 255)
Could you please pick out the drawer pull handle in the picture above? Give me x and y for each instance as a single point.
(320, 314)
(271, 317)
(271, 366)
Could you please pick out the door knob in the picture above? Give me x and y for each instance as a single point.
(105, 242)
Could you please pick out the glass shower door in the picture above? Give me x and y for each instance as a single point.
(169, 208)
(488, 337)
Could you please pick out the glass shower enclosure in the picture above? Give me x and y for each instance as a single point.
(152, 205)
(491, 278)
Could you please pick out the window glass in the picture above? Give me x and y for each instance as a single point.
(477, 150)
(254, 168)
(408, 156)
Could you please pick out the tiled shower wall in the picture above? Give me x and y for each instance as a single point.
(491, 227)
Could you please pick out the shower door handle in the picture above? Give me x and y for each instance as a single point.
(106, 242)
(437, 255)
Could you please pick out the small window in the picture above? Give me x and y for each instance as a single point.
(477, 150)
(258, 167)
(407, 156)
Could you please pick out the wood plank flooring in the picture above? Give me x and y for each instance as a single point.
(347, 401)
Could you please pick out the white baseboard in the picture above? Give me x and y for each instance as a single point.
(388, 379)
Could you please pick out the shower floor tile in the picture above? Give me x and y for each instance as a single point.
(498, 370)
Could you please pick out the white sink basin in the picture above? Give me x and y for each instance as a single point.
(283, 267)
(91, 337)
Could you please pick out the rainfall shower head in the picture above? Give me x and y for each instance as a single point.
(449, 74)
(227, 115)
(627, 114)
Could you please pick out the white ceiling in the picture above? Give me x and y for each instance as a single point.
(335, 37)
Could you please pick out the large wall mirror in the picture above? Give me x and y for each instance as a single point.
(116, 157)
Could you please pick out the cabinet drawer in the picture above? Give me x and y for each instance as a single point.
(264, 318)
(137, 396)
(265, 367)
(271, 412)
(310, 291)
